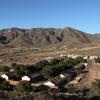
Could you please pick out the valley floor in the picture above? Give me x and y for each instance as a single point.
(33, 55)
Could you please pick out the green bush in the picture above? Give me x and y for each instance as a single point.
(4, 69)
(95, 88)
(4, 85)
(56, 66)
(42, 63)
(23, 87)
(50, 71)
(55, 61)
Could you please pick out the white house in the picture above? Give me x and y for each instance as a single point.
(85, 57)
(26, 78)
(62, 55)
(5, 76)
(55, 82)
(50, 84)
(93, 57)
(86, 64)
(62, 76)
(74, 56)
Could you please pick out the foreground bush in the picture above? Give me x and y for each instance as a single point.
(95, 88)
(23, 87)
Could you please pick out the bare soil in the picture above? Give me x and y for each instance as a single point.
(30, 56)
(92, 74)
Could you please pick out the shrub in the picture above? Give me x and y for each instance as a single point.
(55, 61)
(50, 71)
(4, 85)
(95, 88)
(23, 87)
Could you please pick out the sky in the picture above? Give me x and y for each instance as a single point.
(80, 14)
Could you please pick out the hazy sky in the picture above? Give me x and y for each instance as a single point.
(80, 14)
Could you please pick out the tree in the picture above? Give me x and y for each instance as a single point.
(50, 71)
(55, 61)
(79, 59)
(23, 87)
(4, 85)
(97, 60)
(56, 66)
(71, 89)
(68, 64)
(42, 63)
(20, 70)
(2, 79)
(95, 88)
(5, 69)
(13, 64)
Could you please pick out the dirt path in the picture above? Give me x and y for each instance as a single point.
(93, 73)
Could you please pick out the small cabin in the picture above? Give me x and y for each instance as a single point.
(5, 76)
(68, 75)
(56, 82)
(26, 78)
(50, 84)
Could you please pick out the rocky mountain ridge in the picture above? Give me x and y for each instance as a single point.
(16, 37)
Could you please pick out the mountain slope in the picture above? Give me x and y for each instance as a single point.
(70, 37)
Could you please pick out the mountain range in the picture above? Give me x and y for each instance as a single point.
(70, 37)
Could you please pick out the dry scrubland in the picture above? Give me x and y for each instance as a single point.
(27, 56)
(28, 46)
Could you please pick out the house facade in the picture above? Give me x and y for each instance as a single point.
(5, 76)
(50, 84)
(26, 78)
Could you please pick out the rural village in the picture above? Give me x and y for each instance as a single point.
(67, 74)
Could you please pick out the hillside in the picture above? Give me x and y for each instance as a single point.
(91, 76)
(15, 37)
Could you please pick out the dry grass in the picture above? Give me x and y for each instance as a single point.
(33, 56)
